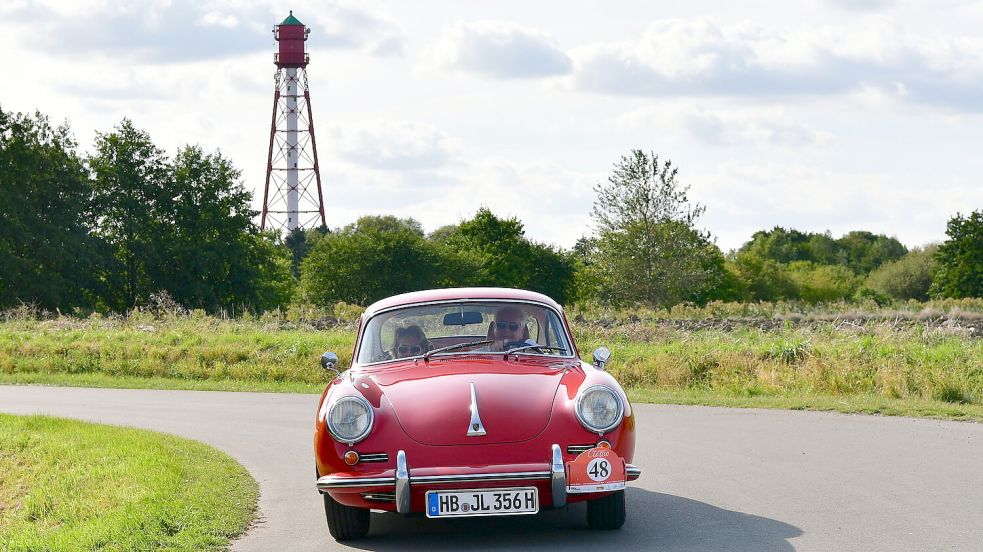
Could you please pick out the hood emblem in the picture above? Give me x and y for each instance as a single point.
(476, 429)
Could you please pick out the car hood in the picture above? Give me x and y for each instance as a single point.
(433, 401)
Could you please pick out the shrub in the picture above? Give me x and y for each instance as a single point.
(960, 258)
(910, 277)
(822, 283)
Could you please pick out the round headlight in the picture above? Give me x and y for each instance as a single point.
(350, 419)
(599, 409)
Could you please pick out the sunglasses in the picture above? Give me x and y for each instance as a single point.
(514, 326)
(410, 349)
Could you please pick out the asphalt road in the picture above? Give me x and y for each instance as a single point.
(713, 478)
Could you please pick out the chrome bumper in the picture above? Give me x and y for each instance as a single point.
(403, 477)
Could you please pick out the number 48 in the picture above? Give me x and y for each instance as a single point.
(598, 469)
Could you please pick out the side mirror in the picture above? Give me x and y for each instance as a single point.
(329, 361)
(601, 357)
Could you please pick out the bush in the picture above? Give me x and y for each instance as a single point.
(822, 283)
(910, 277)
(374, 258)
(868, 294)
(960, 258)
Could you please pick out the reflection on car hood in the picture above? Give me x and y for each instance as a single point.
(433, 401)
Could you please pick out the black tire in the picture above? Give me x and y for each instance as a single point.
(607, 513)
(345, 522)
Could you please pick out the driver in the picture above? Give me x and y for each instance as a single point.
(508, 330)
(410, 341)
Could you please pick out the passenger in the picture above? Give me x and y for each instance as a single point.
(410, 341)
(509, 330)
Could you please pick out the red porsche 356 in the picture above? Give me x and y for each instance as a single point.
(470, 402)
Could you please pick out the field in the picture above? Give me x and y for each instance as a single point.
(916, 361)
(69, 485)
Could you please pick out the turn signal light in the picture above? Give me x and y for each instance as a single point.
(351, 458)
(603, 444)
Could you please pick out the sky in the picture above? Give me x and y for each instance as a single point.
(818, 115)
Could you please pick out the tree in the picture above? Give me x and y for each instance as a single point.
(299, 242)
(374, 258)
(48, 253)
(586, 283)
(723, 282)
(764, 279)
(781, 245)
(213, 256)
(960, 258)
(648, 250)
(497, 245)
(504, 256)
(858, 250)
(864, 251)
(909, 277)
(816, 283)
(183, 226)
(440, 235)
(130, 182)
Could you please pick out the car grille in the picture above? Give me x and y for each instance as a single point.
(577, 449)
(380, 497)
(374, 457)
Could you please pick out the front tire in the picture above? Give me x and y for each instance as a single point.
(345, 522)
(607, 513)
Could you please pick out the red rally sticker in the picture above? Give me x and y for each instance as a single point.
(596, 470)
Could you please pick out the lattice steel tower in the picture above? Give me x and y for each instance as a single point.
(292, 162)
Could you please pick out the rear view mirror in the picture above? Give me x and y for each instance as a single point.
(462, 318)
(601, 357)
(329, 361)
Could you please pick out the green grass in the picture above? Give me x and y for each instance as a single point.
(189, 349)
(861, 363)
(851, 404)
(919, 369)
(70, 485)
(131, 382)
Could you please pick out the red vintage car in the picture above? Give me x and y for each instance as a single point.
(470, 402)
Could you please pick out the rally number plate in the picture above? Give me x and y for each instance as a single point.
(596, 470)
(483, 502)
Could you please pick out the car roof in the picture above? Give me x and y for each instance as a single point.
(452, 294)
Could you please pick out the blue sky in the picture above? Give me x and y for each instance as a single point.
(819, 115)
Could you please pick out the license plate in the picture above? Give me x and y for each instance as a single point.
(483, 502)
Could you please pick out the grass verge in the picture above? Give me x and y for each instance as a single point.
(852, 404)
(914, 369)
(70, 485)
(134, 382)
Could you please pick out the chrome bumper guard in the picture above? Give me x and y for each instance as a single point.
(556, 475)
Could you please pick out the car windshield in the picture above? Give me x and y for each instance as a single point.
(498, 325)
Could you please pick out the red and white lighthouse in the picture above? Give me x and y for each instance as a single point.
(291, 166)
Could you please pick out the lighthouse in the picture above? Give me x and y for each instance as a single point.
(292, 196)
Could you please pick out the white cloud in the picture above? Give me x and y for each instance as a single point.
(552, 202)
(168, 31)
(861, 5)
(744, 198)
(348, 25)
(731, 126)
(217, 19)
(700, 57)
(393, 145)
(769, 94)
(498, 50)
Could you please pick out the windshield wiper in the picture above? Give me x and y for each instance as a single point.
(428, 354)
(524, 347)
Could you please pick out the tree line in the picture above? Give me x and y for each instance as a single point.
(110, 230)
(105, 232)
